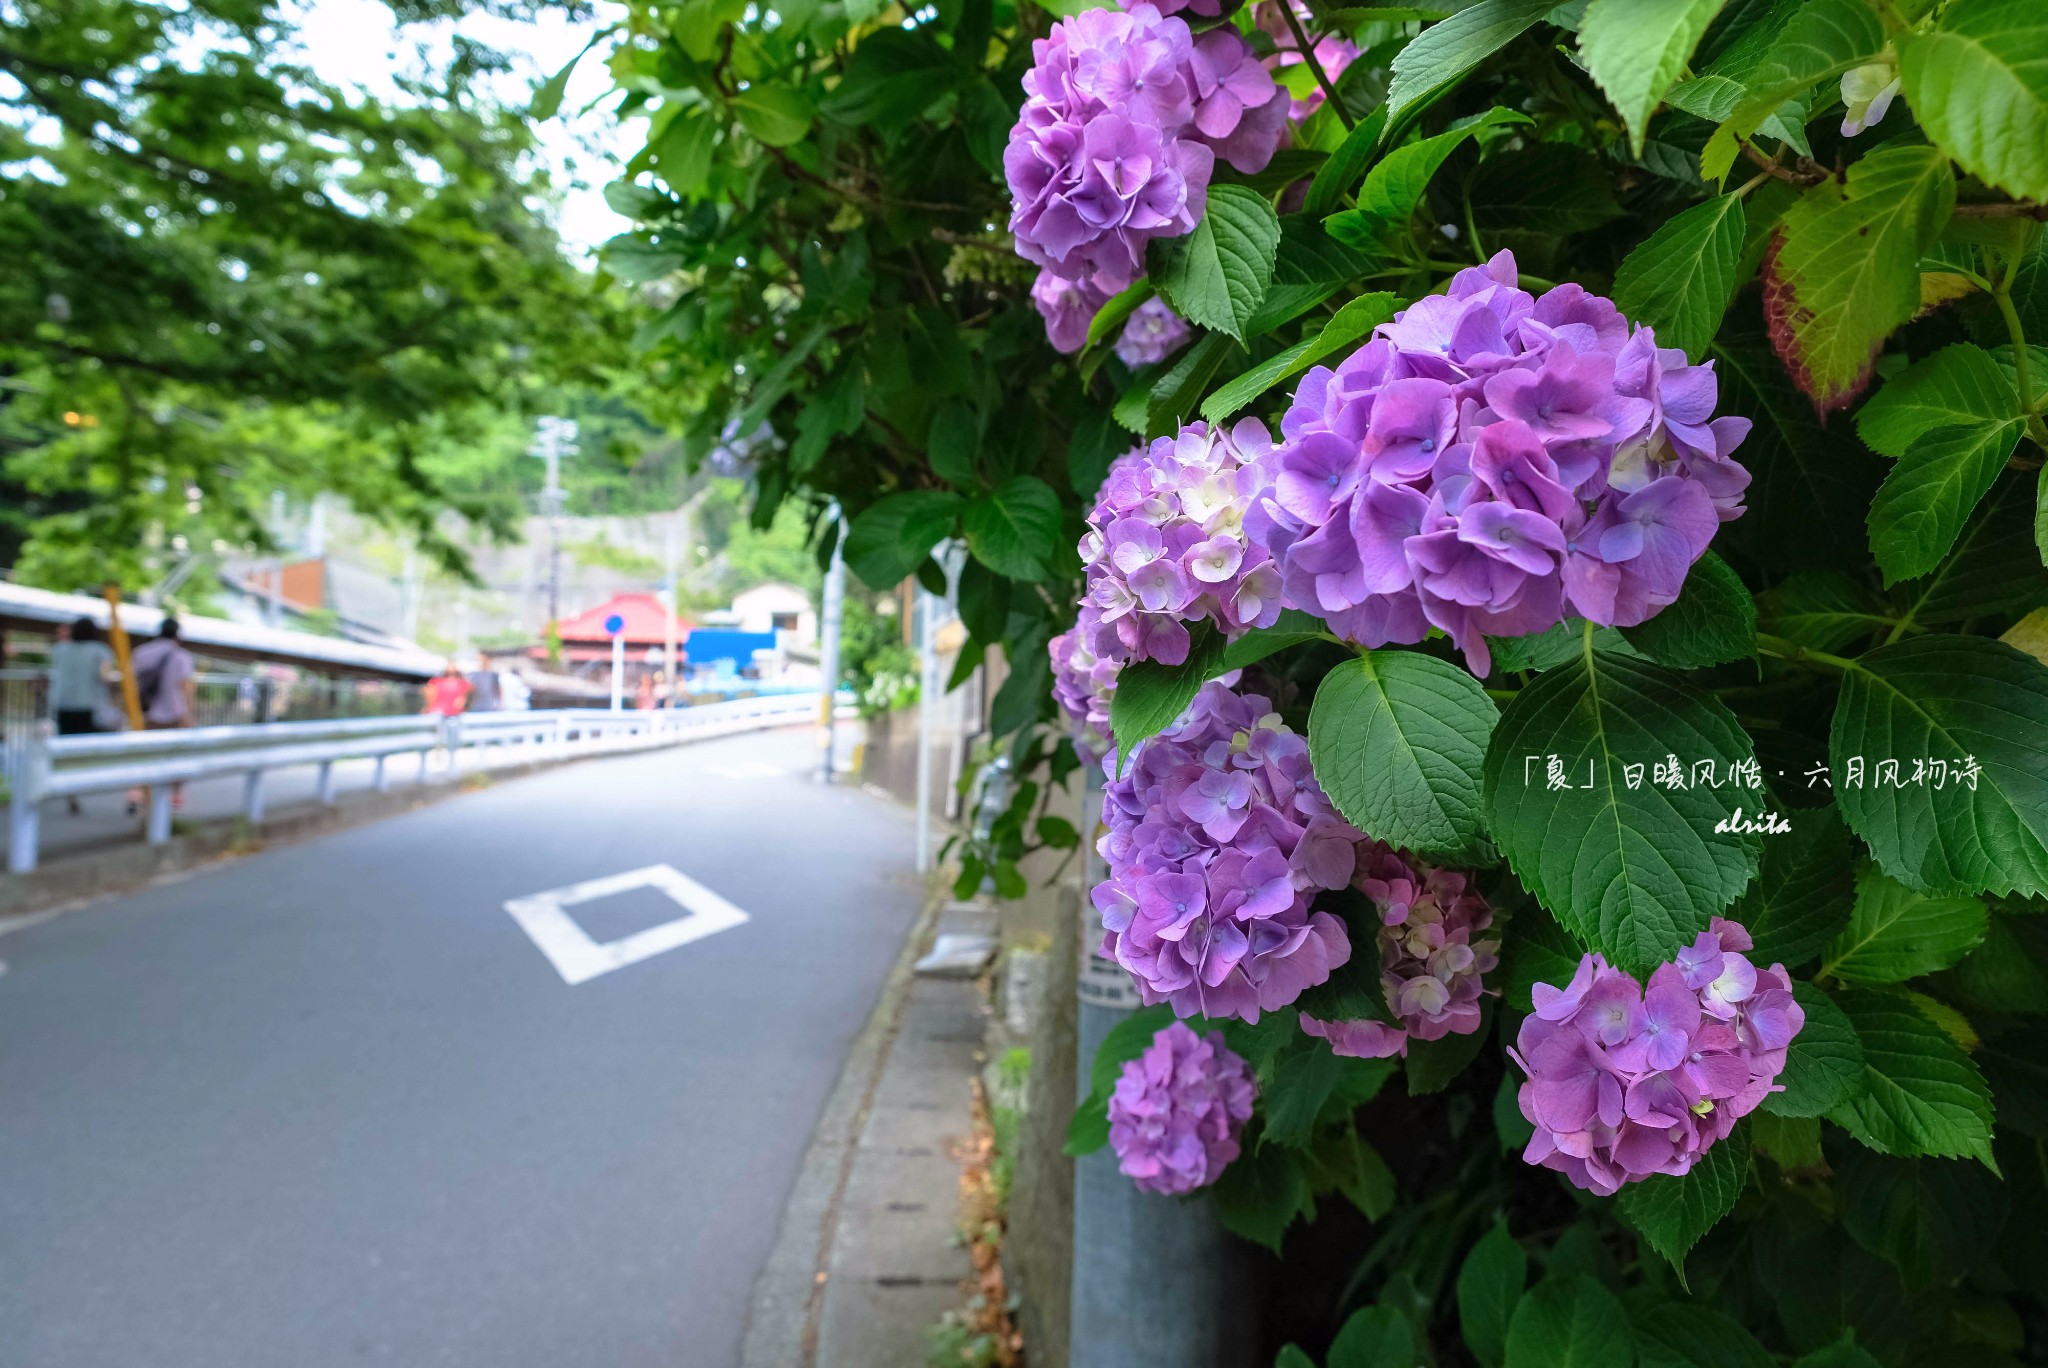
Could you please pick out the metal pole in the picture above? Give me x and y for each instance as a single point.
(618, 672)
(670, 606)
(828, 643)
(927, 693)
(1125, 1313)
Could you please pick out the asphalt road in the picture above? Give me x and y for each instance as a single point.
(331, 1104)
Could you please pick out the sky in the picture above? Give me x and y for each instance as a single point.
(355, 43)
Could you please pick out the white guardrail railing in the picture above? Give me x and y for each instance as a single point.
(55, 767)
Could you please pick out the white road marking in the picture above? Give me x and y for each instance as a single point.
(751, 770)
(578, 959)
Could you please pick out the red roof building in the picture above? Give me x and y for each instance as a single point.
(585, 639)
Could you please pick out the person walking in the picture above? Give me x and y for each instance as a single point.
(167, 683)
(81, 667)
(447, 692)
(483, 690)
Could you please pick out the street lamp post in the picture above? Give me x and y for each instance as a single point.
(553, 439)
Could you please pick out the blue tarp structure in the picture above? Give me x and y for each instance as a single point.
(709, 645)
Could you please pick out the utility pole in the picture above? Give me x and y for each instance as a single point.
(828, 644)
(553, 439)
(670, 598)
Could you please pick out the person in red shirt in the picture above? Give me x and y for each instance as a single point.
(447, 692)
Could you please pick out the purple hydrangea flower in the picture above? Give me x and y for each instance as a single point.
(1432, 957)
(1626, 1080)
(1153, 333)
(1125, 113)
(1218, 838)
(1491, 462)
(1084, 683)
(1068, 307)
(1166, 545)
(1178, 1110)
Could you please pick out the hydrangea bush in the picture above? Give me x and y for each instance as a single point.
(1606, 440)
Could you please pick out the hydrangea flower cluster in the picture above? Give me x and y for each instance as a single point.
(1125, 113)
(1153, 333)
(1218, 838)
(1490, 463)
(1166, 544)
(1178, 1110)
(1083, 683)
(1068, 308)
(1625, 1081)
(1433, 957)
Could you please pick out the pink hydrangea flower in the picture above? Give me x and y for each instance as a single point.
(1178, 1111)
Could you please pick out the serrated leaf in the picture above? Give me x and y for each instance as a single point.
(1396, 185)
(1844, 1354)
(1015, 529)
(1434, 1065)
(1490, 1284)
(1445, 53)
(1549, 188)
(1635, 49)
(1635, 872)
(1949, 698)
(1217, 275)
(1301, 1085)
(1824, 610)
(1792, 1141)
(954, 443)
(1173, 395)
(1354, 990)
(1672, 1213)
(1922, 1095)
(1569, 1321)
(1112, 316)
(1537, 950)
(1823, 39)
(1993, 569)
(1978, 83)
(1293, 628)
(1374, 1337)
(1354, 321)
(1150, 695)
(1398, 741)
(2008, 971)
(1680, 280)
(1824, 1064)
(1804, 892)
(892, 535)
(1930, 1218)
(1959, 386)
(1552, 646)
(1260, 1194)
(1896, 933)
(1922, 505)
(1677, 1335)
(1845, 269)
(1335, 177)
(1712, 622)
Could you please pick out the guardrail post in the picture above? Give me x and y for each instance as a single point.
(252, 797)
(159, 832)
(425, 756)
(379, 779)
(25, 814)
(325, 789)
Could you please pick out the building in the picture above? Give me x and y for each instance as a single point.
(777, 608)
(587, 646)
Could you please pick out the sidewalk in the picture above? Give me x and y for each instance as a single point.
(869, 1257)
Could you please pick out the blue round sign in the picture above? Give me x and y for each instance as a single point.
(615, 624)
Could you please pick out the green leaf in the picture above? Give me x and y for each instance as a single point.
(1352, 322)
(1096, 442)
(893, 76)
(1375, 1337)
(1569, 1321)
(1553, 646)
(1015, 530)
(1260, 1194)
(1804, 892)
(1088, 1128)
(1490, 1284)
(1548, 188)
(1959, 386)
(1538, 951)
(1353, 991)
(1896, 933)
(954, 443)
(1173, 395)
(1217, 275)
(1445, 53)
(1820, 42)
(1712, 623)
(1293, 628)
(1824, 609)
(1922, 505)
(1994, 568)
(1111, 317)
(1398, 741)
(778, 115)
(1396, 185)
(1671, 1214)
(1023, 697)
(1301, 1085)
(1434, 1065)
(1846, 270)
(682, 148)
(1951, 699)
(2009, 971)
(1150, 695)
(1129, 1038)
(1676, 1335)
(1824, 1068)
(1792, 1141)
(1635, 872)
(1635, 49)
(1335, 177)
(891, 535)
(1290, 1355)
(1682, 277)
(1922, 1095)
(1978, 83)
(1932, 1219)
(1057, 832)
(1844, 1354)
(636, 259)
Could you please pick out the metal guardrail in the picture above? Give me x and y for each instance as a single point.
(55, 767)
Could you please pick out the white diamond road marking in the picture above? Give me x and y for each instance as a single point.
(578, 959)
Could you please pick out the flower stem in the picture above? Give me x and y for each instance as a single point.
(1800, 655)
(1308, 54)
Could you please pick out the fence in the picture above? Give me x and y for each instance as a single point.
(54, 767)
